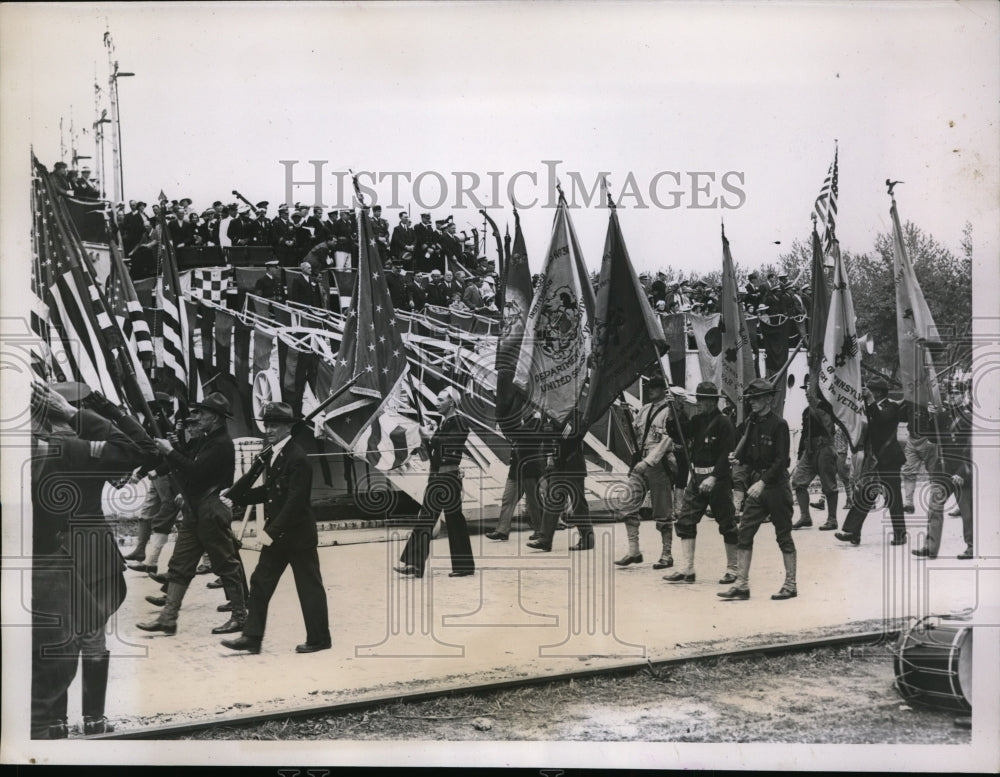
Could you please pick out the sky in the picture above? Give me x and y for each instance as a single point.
(755, 96)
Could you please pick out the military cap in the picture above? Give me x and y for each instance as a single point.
(263, 204)
(214, 403)
(707, 390)
(278, 412)
(217, 203)
(758, 387)
(72, 392)
(272, 263)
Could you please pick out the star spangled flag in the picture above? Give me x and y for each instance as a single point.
(517, 291)
(818, 312)
(839, 373)
(628, 336)
(371, 348)
(72, 315)
(178, 355)
(125, 306)
(915, 328)
(552, 362)
(735, 367)
(826, 206)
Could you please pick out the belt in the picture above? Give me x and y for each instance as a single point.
(703, 470)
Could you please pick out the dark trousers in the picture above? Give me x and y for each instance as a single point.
(209, 532)
(866, 490)
(564, 492)
(443, 494)
(775, 501)
(274, 558)
(720, 498)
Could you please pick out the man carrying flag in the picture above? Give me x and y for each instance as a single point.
(627, 339)
(552, 361)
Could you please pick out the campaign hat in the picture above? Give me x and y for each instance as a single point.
(215, 403)
(278, 412)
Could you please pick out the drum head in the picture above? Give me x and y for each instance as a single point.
(933, 665)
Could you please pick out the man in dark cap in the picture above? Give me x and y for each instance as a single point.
(653, 473)
(712, 438)
(269, 285)
(425, 246)
(763, 452)
(402, 242)
(817, 458)
(289, 537)
(201, 473)
(881, 471)
(283, 239)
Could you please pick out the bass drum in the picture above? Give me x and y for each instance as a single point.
(933, 664)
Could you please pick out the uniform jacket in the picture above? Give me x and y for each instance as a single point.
(285, 494)
(711, 440)
(206, 468)
(652, 433)
(883, 423)
(447, 445)
(766, 448)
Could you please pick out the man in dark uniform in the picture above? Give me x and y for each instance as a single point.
(763, 452)
(817, 458)
(77, 569)
(381, 229)
(652, 473)
(527, 464)
(314, 222)
(283, 239)
(401, 245)
(202, 472)
(269, 285)
(133, 227)
(426, 246)
(289, 538)
(883, 460)
(565, 493)
(952, 476)
(712, 438)
(446, 445)
(396, 285)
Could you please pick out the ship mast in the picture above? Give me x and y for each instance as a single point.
(116, 119)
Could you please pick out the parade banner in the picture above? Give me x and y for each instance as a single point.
(628, 336)
(915, 326)
(372, 349)
(839, 372)
(516, 302)
(708, 341)
(818, 312)
(735, 369)
(552, 362)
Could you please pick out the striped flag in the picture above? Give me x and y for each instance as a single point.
(72, 315)
(178, 359)
(371, 348)
(826, 207)
(839, 372)
(915, 326)
(125, 306)
(735, 367)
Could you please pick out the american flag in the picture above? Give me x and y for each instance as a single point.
(177, 337)
(372, 348)
(125, 306)
(71, 316)
(826, 206)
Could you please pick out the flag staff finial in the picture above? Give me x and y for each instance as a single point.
(357, 188)
(890, 185)
(607, 192)
(559, 189)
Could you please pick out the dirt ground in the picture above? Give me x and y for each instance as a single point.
(822, 696)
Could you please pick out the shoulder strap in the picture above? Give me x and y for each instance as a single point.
(649, 423)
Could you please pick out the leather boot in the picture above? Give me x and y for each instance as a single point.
(667, 539)
(166, 621)
(805, 519)
(156, 542)
(731, 565)
(94, 679)
(632, 529)
(237, 619)
(831, 511)
(741, 587)
(788, 589)
(139, 552)
(685, 570)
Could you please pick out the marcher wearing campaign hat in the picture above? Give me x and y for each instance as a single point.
(884, 458)
(278, 413)
(710, 440)
(216, 403)
(763, 461)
